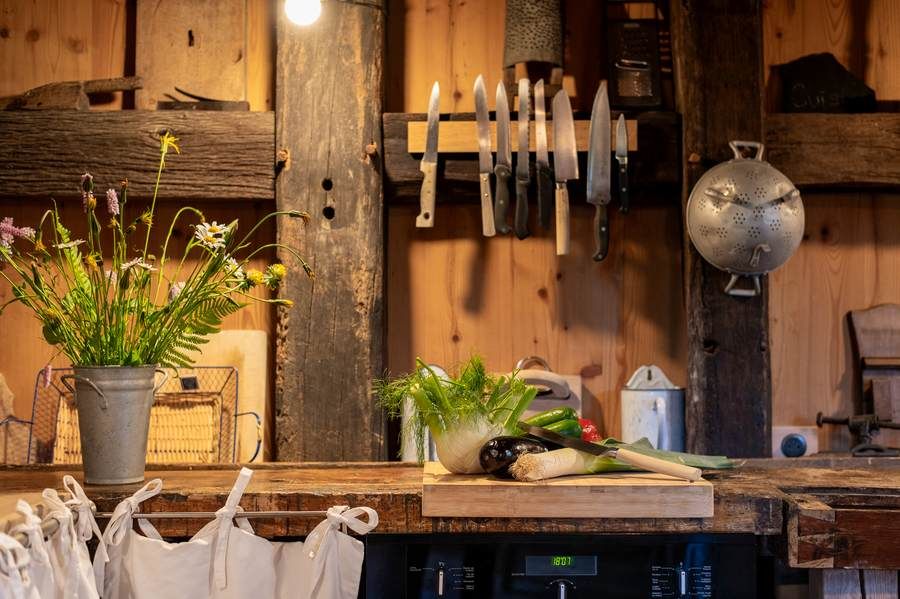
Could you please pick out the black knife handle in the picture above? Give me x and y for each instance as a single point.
(501, 198)
(601, 232)
(623, 187)
(545, 194)
(521, 218)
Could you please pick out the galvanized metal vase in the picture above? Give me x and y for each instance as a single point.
(113, 404)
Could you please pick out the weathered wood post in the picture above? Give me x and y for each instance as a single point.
(717, 47)
(329, 89)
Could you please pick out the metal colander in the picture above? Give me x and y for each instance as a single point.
(745, 217)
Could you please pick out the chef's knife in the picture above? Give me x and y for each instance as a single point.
(485, 159)
(598, 171)
(522, 175)
(633, 458)
(542, 160)
(622, 159)
(565, 165)
(503, 168)
(428, 166)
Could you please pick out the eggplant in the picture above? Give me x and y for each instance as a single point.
(498, 454)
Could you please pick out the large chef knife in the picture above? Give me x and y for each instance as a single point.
(522, 172)
(598, 170)
(485, 159)
(565, 165)
(622, 159)
(503, 168)
(428, 166)
(633, 458)
(542, 160)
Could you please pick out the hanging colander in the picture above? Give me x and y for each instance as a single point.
(745, 217)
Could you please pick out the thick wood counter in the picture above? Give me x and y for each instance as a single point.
(754, 499)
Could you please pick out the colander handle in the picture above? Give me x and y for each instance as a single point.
(731, 289)
(737, 145)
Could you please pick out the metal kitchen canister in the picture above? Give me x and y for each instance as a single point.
(653, 407)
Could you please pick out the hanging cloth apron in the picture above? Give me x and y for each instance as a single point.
(328, 565)
(220, 562)
(40, 570)
(69, 555)
(14, 561)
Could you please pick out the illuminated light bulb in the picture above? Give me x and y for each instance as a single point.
(303, 12)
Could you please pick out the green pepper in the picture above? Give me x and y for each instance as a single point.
(549, 416)
(568, 428)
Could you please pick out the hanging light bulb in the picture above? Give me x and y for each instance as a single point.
(303, 12)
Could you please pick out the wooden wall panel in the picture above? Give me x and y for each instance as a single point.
(45, 40)
(864, 35)
(849, 260)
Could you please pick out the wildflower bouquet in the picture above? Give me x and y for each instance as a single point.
(127, 312)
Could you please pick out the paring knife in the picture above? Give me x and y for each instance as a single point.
(633, 458)
(542, 171)
(428, 166)
(622, 159)
(598, 170)
(503, 168)
(522, 171)
(565, 165)
(485, 159)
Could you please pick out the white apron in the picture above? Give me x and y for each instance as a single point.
(40, 570)
(328, 565)
(69, 556)
(219, 562)
(14, 561)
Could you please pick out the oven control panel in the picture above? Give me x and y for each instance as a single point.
(559, 567)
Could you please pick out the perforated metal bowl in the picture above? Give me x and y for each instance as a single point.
(745, 217)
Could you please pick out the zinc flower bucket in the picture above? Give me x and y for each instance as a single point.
(113, 404)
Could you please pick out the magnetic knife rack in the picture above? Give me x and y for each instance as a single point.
(654, 140)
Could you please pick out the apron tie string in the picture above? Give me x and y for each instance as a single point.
(13, 560)
(119, 524)
(224, 520)
(31, 528)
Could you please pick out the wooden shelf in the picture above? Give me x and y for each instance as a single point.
(835, 149)
(225, 155)
(658, 164)
(460, 137)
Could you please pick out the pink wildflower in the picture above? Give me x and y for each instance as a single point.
(9, 232)
(112, 202)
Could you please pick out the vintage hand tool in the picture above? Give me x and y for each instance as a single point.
(503, 168)
(565, 165)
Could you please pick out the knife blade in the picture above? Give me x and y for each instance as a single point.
(542, 160)
(622, 159)
(485, 158)
(428, 166)
(522, 171)
(565, 165)
(633, 458)
(503, 168)
(598, 170)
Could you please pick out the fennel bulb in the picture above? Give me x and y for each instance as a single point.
(462, 413)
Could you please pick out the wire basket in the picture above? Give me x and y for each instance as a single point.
(192, 420)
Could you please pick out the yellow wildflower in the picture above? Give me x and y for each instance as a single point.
(91, 262)
(168, 141)
(277, 271)
(113, 223)
(285, 302)
(255, 277)
(147, 219)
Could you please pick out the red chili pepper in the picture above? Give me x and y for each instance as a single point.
(589, 430)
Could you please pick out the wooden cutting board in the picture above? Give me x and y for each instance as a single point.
(615, 495)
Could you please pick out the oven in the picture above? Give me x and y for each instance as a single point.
(557, 566)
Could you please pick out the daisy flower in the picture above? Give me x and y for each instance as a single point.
(136, 263)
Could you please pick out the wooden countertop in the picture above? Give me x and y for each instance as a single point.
(751, 499)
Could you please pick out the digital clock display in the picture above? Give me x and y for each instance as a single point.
(559, 565)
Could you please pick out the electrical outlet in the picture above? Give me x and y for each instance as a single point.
(794, 441)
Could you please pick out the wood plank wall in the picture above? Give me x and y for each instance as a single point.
(850, 255)
(450, 292)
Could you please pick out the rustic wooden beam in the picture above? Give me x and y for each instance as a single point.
(659, 165)
(224, 155)
(718, 76)
(835, 149)
(330, 346)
